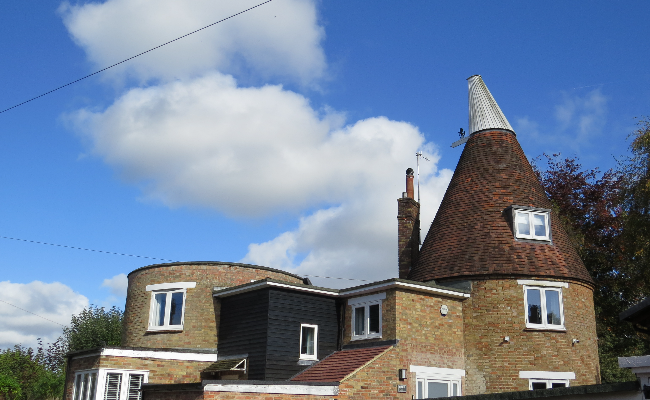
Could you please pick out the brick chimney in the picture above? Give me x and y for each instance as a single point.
(408, 228)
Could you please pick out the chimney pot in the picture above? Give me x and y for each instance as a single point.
(409, 184)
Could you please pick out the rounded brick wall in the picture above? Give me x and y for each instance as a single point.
(200, 327)
(496, 309)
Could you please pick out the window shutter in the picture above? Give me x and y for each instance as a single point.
(113, 386)
(135, 383)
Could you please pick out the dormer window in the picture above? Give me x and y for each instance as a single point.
(531, 223)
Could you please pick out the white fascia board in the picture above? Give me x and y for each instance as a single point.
(546, 375)
(364, 299)
(418, 369)
(276, 389)
(531, 282)
(172, 285)
(160, 355)
(404, 285)
(237, 290)
(634, 362)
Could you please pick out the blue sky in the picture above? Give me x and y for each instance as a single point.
(279, 137)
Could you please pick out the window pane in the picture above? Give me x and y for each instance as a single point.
(539, 224)
(437, 389)
(176, 311)
(77, 389)
(159, 311)
(373, 310)
(534, 306)
(93, 386)
(113, 386)
(359, 321)
(420, 394)
(135, 383)
(539, 385)
(308, 334)
(553, 307)
(523, 224)
(84, 393)
(454, 391)
(558, 384)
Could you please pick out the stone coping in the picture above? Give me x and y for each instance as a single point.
(219, 263)
(632, 386)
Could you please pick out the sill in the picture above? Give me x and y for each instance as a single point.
(162, 329)
(364, 337)
(536, 328)
(306, 358)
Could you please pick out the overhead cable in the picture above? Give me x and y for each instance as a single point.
(131, 58)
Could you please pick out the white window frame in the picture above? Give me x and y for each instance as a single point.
(547, 377)
(100, 385)
(449, 376)
(309, 356)
(542, 291)
(366, 302)
(89, 395)
(168, 289)
(530, 213)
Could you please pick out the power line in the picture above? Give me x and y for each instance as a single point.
(81, 248)
(131, 58)
(134, 255)
(40, 316)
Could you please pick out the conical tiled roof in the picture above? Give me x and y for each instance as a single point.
(471, 235)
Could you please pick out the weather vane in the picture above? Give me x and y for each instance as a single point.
(462, 139)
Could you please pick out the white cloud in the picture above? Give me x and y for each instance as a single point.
(202, 140)
(117, 284)
(584, 115)
(52, 301)
(255, 151)
(279, 39)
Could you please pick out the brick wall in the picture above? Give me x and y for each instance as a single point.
(160, 371)
(496, 309)
(201, 310)
(78, 364)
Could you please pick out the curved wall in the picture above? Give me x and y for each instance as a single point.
(496, 309)
(200, 328)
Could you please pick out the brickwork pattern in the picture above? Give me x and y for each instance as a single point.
(201, 310)
(496, 309)
(471, 235)
(78, 364)
(408, 235)
(175, 395)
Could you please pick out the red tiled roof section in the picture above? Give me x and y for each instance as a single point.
(338, 365)
(470, 235)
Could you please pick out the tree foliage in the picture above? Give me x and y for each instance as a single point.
(28, 374)
(607, 217)
(94, 327)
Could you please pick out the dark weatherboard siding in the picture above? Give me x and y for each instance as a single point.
(287, 310)
(265, 324)
(243, 329)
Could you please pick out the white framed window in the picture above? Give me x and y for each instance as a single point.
(366, 316)
(432, 382)
(547, 379)
(109, 384)
(167, 310)
(532, 224)
(543, 307)
(85, 385)
(308, 342)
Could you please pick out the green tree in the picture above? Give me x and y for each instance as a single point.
(94, 327)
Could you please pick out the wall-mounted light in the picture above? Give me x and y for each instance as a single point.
(575, 341)
(506, 339)
(402, 374)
